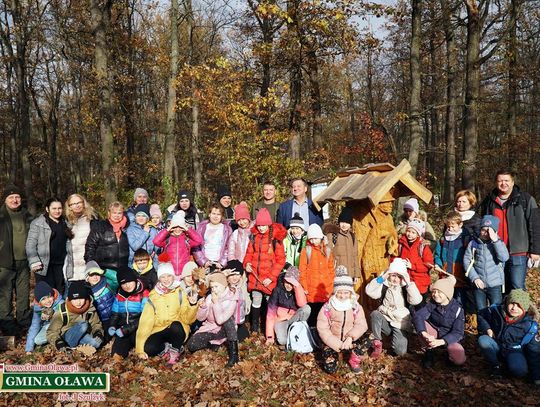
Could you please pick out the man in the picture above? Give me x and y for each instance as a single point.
(14, 271)
(519, 225)
(269, 201)
(301, 204)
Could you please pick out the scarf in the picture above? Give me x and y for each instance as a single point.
(341, 305)
(512, 320)
(465, 215)
(451, 236)
(78, 311)
(162, 290)
(118, 226)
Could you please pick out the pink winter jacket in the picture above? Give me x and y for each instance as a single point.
(178, 247)
(215, 315)
(335, 326)
(238, 243)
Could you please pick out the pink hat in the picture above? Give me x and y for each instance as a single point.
(241, 211)
(155, 211)
(417, 225)
(263, 218)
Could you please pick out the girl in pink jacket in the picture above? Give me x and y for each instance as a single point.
(341, 325)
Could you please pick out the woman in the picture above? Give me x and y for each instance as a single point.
(79, 213)
(46, 245)
(185, 203)
(107, 243)
(464, 205)
(140, 196)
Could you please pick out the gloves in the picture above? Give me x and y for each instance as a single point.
(119, 333)
(111, 331)
(98, 337)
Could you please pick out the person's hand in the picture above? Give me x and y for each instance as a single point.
(427, 336)
(408, 263)
(479, 284)
(490, 333)
(146, 227)
(120, 333)
(207, 264)
(347, 344)
(493, 235)
(435, 343)
(143, 356)
(111, 331)
(37, 267)
(249, 268)
(534, 257)
(219, 265)
(215, 298)
(200, 302)
(266, 282)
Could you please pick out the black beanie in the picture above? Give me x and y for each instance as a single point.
(125, 275)
(42, 290)
(346, 215)
(11, 190)
(144, 208)
(78, 289)
(223, 190)
(236, 265)
(185, 194)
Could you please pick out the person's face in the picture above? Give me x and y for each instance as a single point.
(298, 189)
(184, 204)
(394, 279)
(297, 231)
(13, 201)
(269, 192)
(344, 226)
(217, 287)
(438, 296)
(409, 213)
(188, 281)
(288, 286)
(55, 210)
(176, 231)
(411, 234)
(77, 205)
(315, 241)
(463, 204)
(505, 184)
(243, 223)
(225, 201)
(484, 234)
(234, 279)
(454, 226)
(141, 220)
(116, 214)
(262, 229)
(78, 302)
(141, 199)
(343, 295)
(514, 310)
(215, 216)
(166, 279)
(129, 287)
(142, 263)
(47, 302)
(155, 220)
(93, 279)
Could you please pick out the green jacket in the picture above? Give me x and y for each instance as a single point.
(292, 251)
(6, 235)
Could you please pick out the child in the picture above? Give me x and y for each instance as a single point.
(144, 267)
(264, 261)
(156, 218)
(287, 304)
(215, 233)
(126, 311)
(102, 292)
(165, 320)
(411, 210)
(316, 271)
(396, 292)
(188, 283)
(46, 300)
(238, 284)
(141, 233)
(239, 240)
(296, 240)
(507, 333)
(341, 324)
(76, 322)
(416, 252)
(177, 241)
(217, 312)
(484, 261)
(441, 323)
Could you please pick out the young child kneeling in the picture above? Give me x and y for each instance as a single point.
(396, 292)
(341, 324)
(441, 323)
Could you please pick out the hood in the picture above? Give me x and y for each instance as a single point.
(330, 228)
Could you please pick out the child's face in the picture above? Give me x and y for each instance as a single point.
(176, 231)
(344, 226)
(184, 204)
(439, 297)
(288, 286)
(93, 279)
(394, 279)
(262, 229)
(215, 216)
(484, 234)
(243, 223)
(454, 226)
(47, 302)
(343, 295)
(514, 310)
(297, 231)
(129, 287)
(217, 287)
(234, 279)
(141, 220)
(156, 220)
(188, 281)
(411, 234)
(78, 302)
(315, 241)
(142, 263)
(166, 279)
(409, 213)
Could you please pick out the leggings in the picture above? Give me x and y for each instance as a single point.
(174, 334)
(202, 340)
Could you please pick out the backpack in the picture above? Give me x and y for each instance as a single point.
(308, 252)
(299, 338)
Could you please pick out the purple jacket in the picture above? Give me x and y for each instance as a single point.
(448, 320)
(198, 253)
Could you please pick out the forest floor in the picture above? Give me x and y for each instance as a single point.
(269, 377)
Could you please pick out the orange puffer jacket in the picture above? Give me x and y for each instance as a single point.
(317, 274)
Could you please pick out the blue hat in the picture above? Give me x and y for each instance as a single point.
(490, 221)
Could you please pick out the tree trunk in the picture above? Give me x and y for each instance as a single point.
(315, 96)
(415, 105)
(295, 91)
(513, 154)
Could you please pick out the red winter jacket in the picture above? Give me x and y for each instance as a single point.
(266, 262)
(420, 266)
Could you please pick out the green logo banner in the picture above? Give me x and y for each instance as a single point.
(54, 382)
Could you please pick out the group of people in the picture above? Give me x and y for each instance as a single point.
(162, 284)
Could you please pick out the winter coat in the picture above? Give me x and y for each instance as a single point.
(126, 311)
(75, 266)
(448, 320)
(215, 315)
(38, 244)
(449, 257)
(335, 326)
(283, 304)
(244, 300)
(284, 213)
(178, 247)
(138, 238)
(488, 261)
(345, 249)
(104, 248)
(420, 265)
(317, 274)
(293, 248)
(519, 227)
(266, 256)
(198, 252)
(161, 311)
(238, 243)
(57, 329)
(37, 322)
(148, 276)
(6, 235)
(103, 296)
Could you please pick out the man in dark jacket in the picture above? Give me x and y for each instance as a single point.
(301, 204)
(519, 226)
(14, 271)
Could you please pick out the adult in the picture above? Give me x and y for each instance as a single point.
(517, 212)
(78, 213)
(465, 204)
(107, 243)
(186, 204)
(14, 271)
(140, 196)
(46, 245)
(299, 203)
(224, 197)
(269, 201)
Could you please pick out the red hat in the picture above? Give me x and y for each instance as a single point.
(241, 211)
(263, 218)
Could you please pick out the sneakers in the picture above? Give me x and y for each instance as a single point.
(354, 362)
(428, 361)
(174, 355)
(376, 345)
(165, 352)
(496, 372)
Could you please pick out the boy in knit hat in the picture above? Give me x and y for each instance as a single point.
(239, 240)
(102, 292)
(507, 335)
(341, 325)
(396, 291)
(441, 322)
(296, 240)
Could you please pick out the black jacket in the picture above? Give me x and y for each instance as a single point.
(103, 247)
(6, 235)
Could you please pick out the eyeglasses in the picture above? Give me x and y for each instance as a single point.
(71, 205)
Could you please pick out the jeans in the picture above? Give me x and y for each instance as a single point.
(41, 337)
(515, 271)
(515, 360)
(77, 335)
(494, 294)
(281, 327)
(380, 326)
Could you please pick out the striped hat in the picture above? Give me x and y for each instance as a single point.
(343, 281)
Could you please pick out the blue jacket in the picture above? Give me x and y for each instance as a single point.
(138, 238)
(489, 259)
(103, 299)
(448, 320)
(126, 311)
(449, 256)
(284, 213)
(37, 322)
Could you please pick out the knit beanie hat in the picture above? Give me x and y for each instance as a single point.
(218, 277)
(235, 267)
(185, 194)
(93, 268)
(241, 211)
(165, 268)
(125, 275)
(155, 210)
(11, 190)
(142, 209)
(188, 269)
(292, 276)
(445, 285)
(346, 215)
(42, 290)
(343, 281)
(263, 218)
(78, 289)
(412, 204)
(139, 191)
(490, 221)
(520, 297)
(223, 190)
(179, 219)
(398, 266)
(297, 220)
(314, 232)
(418, 225)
